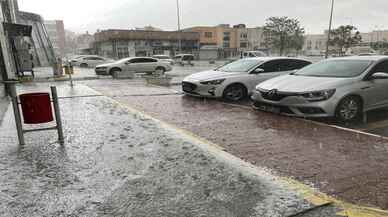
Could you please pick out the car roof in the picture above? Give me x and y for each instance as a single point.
(184, 54)
(266, 59)
(370, 58)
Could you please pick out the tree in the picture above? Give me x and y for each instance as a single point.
(380, 46)
(344, 37)
(283, 34)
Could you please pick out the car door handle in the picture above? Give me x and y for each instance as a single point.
(365, 88)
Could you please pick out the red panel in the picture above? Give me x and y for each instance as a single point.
(36, 108)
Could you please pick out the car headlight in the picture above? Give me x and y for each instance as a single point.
(213, 82)
(316, 96)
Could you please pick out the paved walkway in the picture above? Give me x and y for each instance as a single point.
(117, 162)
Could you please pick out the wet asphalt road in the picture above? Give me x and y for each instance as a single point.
(347, 165)
(117, 163)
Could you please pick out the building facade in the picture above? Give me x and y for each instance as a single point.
(56, 32)
(119, 44)
(84, 43)
(42, 48)
(315, 44)
(230, 41)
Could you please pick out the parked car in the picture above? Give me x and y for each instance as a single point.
(164, 58)
(89, 61)
(184, 59)
(340, 87)
(236, 80)
(135, 64)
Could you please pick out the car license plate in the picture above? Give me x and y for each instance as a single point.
(269, 108)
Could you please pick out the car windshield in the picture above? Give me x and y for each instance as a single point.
(243, 65)
(336, 68)
(124, 60)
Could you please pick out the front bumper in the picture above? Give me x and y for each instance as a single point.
(102, 71)
(295, 105)
(195, 88)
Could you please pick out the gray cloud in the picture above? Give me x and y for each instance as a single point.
(313, 14)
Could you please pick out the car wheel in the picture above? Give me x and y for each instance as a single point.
(83, 65)
(160, 70)
(235, 92)
(349, 109)
(114, 70)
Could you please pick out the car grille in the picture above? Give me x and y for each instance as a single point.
(189, 87)
(273, 95)
(283, 109)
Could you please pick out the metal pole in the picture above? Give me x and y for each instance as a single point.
(16, 111)
(328, 34)
(179, 27)
(57, 115)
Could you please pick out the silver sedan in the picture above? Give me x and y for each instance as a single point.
(341, 87)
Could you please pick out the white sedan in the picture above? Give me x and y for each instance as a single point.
(238, 79)
(134, 64)
(89, 61)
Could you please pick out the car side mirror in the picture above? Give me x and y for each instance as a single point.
(258, 71)
(127, 63)
(379, 75)
(294, 71)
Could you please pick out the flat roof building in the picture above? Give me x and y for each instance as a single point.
(119, 43)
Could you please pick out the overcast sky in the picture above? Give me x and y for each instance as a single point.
(90, 15)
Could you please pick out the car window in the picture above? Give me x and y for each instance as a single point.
(289, 65)
(149, 60)
(188, 58)
(381, 67)
(272, 66)
(243, 65)
(336, 68)
(135, 60)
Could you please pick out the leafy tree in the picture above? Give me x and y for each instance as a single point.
(283, 34)
(380, 46)
(344, 37)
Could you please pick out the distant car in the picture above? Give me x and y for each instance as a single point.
(341, 87)
(184, 59)
(134, 64)
(89, 61)
(237, 80)
(249, 54)
(164, 58)
(366, 54)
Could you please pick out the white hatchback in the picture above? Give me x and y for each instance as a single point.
(237, 80)
(90, 61)
(134, 64)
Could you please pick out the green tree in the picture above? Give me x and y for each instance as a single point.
(380, 46)
(344, 37)
(283, 34)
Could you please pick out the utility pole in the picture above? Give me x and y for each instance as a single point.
(179, 27)
(328, 34)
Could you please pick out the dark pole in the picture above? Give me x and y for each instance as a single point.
(179, 27)
(57, 115)
(328, 34)
(16, 111)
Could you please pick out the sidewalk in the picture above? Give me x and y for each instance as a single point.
(118, 162)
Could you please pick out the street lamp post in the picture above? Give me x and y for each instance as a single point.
(179, 27)
(328, 34)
